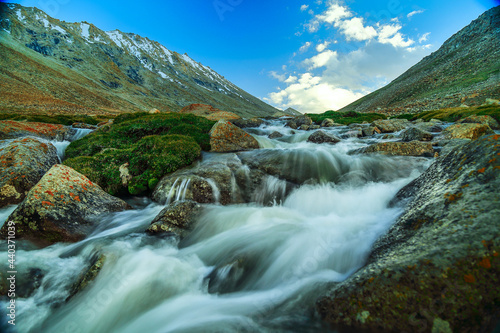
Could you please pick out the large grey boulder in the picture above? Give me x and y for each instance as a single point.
(437, 267)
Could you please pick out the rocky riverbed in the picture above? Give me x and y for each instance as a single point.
(285, 226)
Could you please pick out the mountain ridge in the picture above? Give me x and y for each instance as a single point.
(465, 69)
(111, 71)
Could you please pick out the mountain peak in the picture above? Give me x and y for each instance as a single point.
(87, 69)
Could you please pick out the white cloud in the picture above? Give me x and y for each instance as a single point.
(415, 12)
(279, 77)
(310, 94)
(321, 59)
(304, 8)
(424, 37)
(322, 46)
(354, 29)
(334, 78)
(389, 34)
(305, 47)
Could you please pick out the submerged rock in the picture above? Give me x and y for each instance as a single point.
(466, 131)
(275, 135)
(438, 265)
(226, 137)
(88, 275)
(177, 218)
(62, 207)
(414, 148)
(322, 137)
(23, 164)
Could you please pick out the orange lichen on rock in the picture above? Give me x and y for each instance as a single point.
(469, 278)
(486, 263)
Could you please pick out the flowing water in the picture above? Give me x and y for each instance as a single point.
(250, 267)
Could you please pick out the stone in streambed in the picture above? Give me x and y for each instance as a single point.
(414, 133)
(391, 125)
(177, 218)
(23, 163)
(226, 137)
(414, 148)
(466, 131)
(15, 129)
(62, 207)
(322, 137)
(437, 267)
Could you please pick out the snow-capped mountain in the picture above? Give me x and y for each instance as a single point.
(55, 65)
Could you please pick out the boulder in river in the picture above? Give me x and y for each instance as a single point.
(438, 265)
(299, 121)
(226, 137)
(391, 125)
(62, 207)
(15, 129)
(413, 148)
(414, 133)
(275, 135)
(177, 218)
(466, 131)
(322, 137)
(475, 119)
(245, 122)
(23, 163)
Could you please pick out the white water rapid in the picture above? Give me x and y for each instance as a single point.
(255, 267)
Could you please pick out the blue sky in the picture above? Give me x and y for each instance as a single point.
(311, 55)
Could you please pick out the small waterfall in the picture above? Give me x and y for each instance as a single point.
(271, 192)
(215, 190)
(178, 193)
(80, 133)
(62, 145)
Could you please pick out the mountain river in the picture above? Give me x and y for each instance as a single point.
(253, 267)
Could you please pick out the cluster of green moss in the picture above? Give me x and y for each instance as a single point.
(346, 118)
(454, 114)
(53, 119)
(153, 145)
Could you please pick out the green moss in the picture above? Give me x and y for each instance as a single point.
(151, 158)
(346, 118)
(454, 114)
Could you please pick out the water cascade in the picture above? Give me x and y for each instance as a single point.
(253, 266)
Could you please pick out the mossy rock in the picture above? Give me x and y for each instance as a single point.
(151, 158)
(346, 118)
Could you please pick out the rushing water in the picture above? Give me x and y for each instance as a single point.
(248, 267)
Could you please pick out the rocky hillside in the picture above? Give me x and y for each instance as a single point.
(465, 70)
(48, 65)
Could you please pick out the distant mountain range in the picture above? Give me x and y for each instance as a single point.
(48, 65)
(465, 70)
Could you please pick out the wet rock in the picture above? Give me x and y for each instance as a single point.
(466, 131)
(226, 137)
(327, 122)
(391, 125)
(225, 278)
(15, 129)
(475, 119)
(370, 130)
(414, 133)
(62, 207)
(209, 182)
(432, 127)
(414, 148)
(23, 163)
(436, 266)
(177, 218)
(299, 121)
(304, 127)
(448, 146)
(275, 135)
(355, 133)
(314, 127)
(322, 137)
(244, 123)
(88, 275)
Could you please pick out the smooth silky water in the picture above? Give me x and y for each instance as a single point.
(256, 267)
